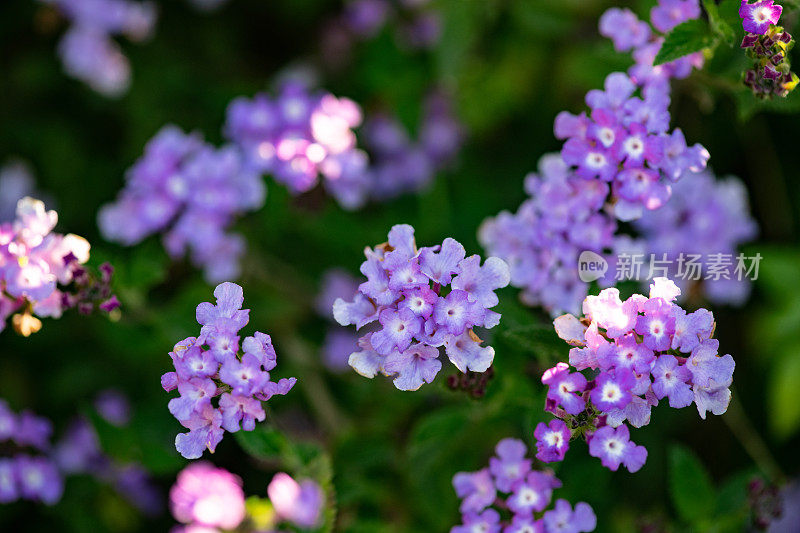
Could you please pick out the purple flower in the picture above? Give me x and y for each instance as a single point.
(669, 13)
(299, 503)
(563, 519)
(414, 366)
(757, 18)
(609, 312)
(657, 325)
(486, 522)
(627, 353)
(403, 290)
(671, 379)
(533, 494)
(114, 407)
(207, 496)
(457, 313)
(510, 464)
(613, 447)
(205, 431)
(476, 490)
(624, 28)
(466, 353)
(613, 390)
(399, 328)
(440, 266)
(9, 491)
(38, 479)
(552, 441)
(565, 388)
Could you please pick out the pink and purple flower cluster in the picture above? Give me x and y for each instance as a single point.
(88, 50)
(705, 219)
(509, 484)
(768, 45)
(636, 352)
(208, 499)
(41, 272)
(416, 300)
(28, 473)
(191, 192)
(298, 137)
(221, 389)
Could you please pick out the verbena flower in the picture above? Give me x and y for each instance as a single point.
(510, 485)
(29, 472)
(416, 300)
(220, 388)
(41, 272)
(88, 50)
(758, 17)
(191, 192)
(641, 350)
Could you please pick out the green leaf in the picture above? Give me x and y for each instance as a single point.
(690, 486)
(684, 39)
(539, 340)
(264, 442)
(718, 24)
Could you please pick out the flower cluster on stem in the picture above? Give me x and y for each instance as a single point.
(220, 388)
(627, 356)
(768, 46)
(416, 300)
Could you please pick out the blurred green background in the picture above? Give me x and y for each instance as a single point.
(512, 66)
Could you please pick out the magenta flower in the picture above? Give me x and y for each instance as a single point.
(299, 503)
(204, 495)
(757, 18)
(552, 441)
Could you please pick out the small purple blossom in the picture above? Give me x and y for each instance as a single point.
(552, 441)
(204, 495)
(614, 448)
(757, 18)
(510, 464)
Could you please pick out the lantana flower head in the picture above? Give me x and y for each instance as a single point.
(222, 382)
(640, 351)
(416, 301)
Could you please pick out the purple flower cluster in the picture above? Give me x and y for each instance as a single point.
(41, 272)
(78, 451)
(629, 34)
(339, 343)
(417, 300)
(639, 351)
(210, 365)
(298, 136)
(510, 484)
(88, 50)
(299, 503)
(205, 498)
(192, 192)
(22, 475)
(542, 241)
(706, 218)
(768, 46)
(625, 142)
